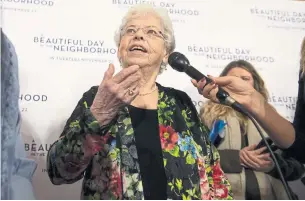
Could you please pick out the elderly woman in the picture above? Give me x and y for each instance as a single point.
(251, 172)
(131, 138)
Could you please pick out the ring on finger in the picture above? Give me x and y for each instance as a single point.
(130, 92)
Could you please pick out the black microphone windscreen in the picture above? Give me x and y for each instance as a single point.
(178, 61)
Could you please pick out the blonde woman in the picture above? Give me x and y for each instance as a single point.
(250, 171)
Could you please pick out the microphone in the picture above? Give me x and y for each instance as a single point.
(180, 63)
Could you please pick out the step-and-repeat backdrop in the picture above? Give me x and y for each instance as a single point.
(64, 47)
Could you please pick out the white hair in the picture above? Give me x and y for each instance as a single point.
(166, 23)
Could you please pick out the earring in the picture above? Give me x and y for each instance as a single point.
(163, 65)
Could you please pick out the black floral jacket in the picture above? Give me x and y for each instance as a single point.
(107, 157)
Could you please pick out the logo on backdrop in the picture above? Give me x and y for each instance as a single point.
(281, 18)
(25, 99)
(228, 54)
(286, 103)
(79, 50)
(178, 12)
(26, 5)
(37, 149)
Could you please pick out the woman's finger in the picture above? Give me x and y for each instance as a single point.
(265, 157)
(254, 158)
(206, 90)
(222, 81)
(109, 73)
(249, 161)
(194, 82)
(242, 164)
(251, 147)
(260, 150)
(213, 94)
(201, 84)
(130, 80)
(244, 160)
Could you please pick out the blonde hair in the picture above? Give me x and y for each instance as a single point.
(302, 60)
(211, 111)
(162, 14)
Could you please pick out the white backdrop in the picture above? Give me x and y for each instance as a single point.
(65, 46)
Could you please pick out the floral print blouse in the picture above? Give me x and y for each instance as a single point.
(106, 156)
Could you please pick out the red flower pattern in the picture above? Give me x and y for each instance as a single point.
(106, 137)
(204, 184)
(217, 173)
(92, 144)
(220, 190)
(115, 184)
(168, 136)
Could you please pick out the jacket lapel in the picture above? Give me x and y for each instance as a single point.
(128, 162)
(180, 151)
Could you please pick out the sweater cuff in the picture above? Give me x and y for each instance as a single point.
(230, 161)
(297, 149)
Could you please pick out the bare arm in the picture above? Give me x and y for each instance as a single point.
(279, 129)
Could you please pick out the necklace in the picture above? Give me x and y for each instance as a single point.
(154, 89)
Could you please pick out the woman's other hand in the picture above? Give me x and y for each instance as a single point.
(256, 159)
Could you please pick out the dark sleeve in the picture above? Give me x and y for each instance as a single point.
(299, 115)
(230, 161)
(297, 149)
(291, 168)
(80, 140)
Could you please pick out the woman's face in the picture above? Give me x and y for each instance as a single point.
(241, 73)
(142, 42)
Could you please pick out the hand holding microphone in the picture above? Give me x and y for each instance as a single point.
(239, 90)
(208, 90)
(228, 90)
